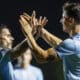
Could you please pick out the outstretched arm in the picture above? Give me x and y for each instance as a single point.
(19, 49)
(41, 53)
(50, 38)
(47, 36)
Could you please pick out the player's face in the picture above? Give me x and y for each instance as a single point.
(66, 22)
(7, 38)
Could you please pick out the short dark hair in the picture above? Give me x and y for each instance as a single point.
(72, 10)
(2, 26)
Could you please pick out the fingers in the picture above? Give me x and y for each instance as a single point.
(34, 14)
(22, 24)
(22, 28)
(26, 16)
(34, 21)
(40, 20)
(25, 25)
(44, 21)
(23, 20)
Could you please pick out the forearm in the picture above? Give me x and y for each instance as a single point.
(19, 49)
(50, 38)
(35, 47)
(42, 55)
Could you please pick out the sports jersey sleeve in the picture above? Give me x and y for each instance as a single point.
(4, 56)
(66, 48)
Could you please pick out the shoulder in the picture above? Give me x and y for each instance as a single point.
(68, 44)
(4, 50)
(5, 53)
(68, 41)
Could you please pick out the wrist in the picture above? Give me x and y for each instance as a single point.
(42, 32)
(29, 33)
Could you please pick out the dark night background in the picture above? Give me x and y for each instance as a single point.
(52, 9)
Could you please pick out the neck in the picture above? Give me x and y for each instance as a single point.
(24, 65)
(3, 44)
(75, 30)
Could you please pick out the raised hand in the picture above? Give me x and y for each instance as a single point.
(35, 23)
(25, 25)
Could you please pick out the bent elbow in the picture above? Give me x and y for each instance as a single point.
(45, 55)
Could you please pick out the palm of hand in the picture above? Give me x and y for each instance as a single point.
(25, 25)
(35, 24)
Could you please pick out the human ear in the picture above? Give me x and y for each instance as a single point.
(71, 21)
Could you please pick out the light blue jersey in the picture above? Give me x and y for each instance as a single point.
(69, 52)
(6, 68)
(29, 73)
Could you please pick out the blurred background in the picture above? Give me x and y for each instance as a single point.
(10, 11)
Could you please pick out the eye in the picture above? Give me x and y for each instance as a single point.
(9, 35)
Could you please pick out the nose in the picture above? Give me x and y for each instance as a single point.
(61, 20)
(12, 38)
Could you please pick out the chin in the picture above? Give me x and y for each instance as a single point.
(65, 30)
(10, 46)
